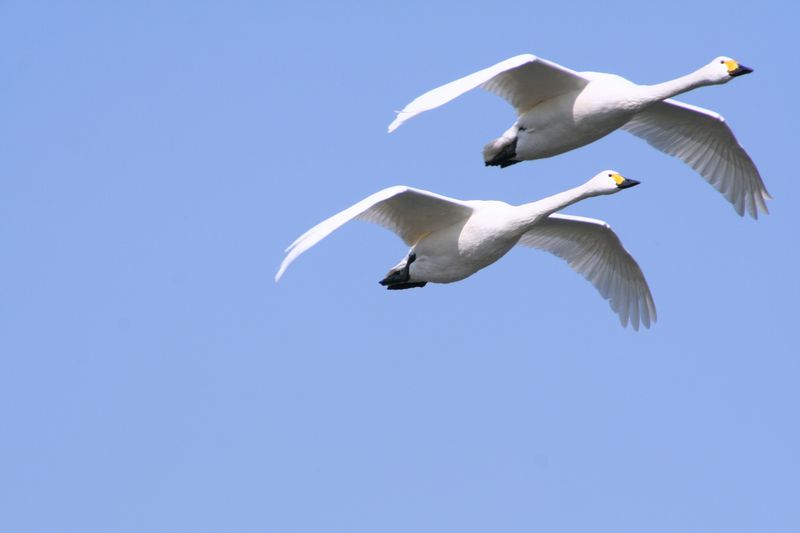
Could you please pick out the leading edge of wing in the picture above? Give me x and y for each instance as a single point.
(449, 91)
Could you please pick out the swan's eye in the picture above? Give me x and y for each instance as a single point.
(609, 175)
(722, 61)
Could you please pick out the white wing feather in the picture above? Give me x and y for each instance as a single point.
(409, 212)
(593, 250)
(702, 139)
(524, 81)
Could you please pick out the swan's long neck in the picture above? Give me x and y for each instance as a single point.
(532, 212)
(668, 89)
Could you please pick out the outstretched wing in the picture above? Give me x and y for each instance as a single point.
(410, 213)
(593, 250)
(702, 139)
(524, 81)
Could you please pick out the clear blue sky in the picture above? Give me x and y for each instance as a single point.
(156, 159)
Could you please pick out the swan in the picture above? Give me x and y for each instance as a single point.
(559, 110)
(452, 239)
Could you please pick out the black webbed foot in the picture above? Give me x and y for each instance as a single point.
(410, 285)
(505, 157)
(400, 279)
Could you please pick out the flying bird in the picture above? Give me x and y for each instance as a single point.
(559, 110)
(452, 239)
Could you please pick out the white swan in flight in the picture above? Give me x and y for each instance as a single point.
(452, 239)
(559, 110)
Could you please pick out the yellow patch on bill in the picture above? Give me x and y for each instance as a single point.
(731, 65)
(617, 179)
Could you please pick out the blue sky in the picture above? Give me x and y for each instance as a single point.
(158, 157)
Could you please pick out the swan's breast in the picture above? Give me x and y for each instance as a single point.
(488, 234)
(579, 118)
(607, 99)
(459, 251)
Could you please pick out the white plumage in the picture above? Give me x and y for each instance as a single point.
(559, 110)
(452, 239)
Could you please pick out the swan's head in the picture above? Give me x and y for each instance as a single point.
(723, 69)
(610, 182)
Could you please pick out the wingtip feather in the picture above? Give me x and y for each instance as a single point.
(396, 123)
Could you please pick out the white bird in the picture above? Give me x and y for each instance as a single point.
(559, 110)
(452, 239)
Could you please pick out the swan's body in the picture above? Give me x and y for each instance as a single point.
(559, 110)
(452, 239)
